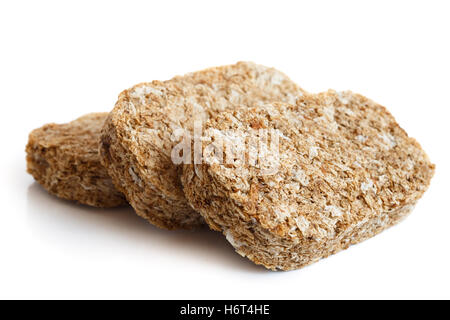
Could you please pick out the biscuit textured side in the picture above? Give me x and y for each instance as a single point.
(141, 132)
(64, 159)
(346, 172)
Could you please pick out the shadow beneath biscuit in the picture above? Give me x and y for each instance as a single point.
(79, 227)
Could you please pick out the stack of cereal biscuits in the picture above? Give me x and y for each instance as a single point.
(287, 176)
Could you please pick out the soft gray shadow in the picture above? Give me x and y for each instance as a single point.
(52, 219)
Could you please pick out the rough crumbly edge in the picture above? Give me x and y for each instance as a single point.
(64, 159)
(251, 210)
(138, 159)
(165, 213)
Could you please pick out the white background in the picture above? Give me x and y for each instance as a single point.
(61, 59)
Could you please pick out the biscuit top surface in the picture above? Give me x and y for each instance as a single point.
(79, 138)
(342, 158)
(147, 116)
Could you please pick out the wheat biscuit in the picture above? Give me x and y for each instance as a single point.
(64, 159)
(346, 172)
(140, 134)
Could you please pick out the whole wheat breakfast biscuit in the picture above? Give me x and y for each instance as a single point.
(143, 130)
(341, 171)
(64, 159)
